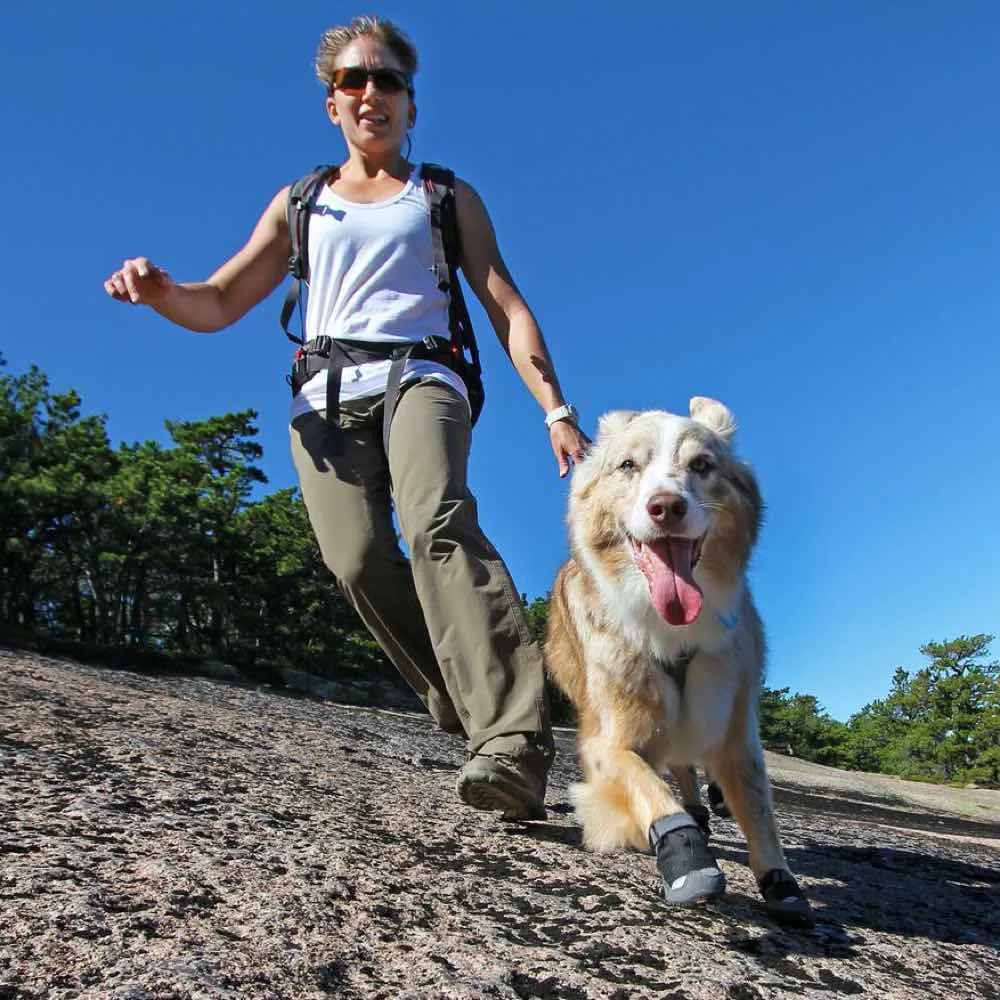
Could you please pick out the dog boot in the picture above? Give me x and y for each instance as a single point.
(784, 900)
(717, 802)
(690, 872)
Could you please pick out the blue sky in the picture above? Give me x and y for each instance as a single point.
(792, 207)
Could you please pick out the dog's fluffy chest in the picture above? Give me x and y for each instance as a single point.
(677, 709)
(681, 682)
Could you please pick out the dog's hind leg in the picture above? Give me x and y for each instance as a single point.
(716, 800)
(687, 784)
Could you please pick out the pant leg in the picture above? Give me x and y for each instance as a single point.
(348, 502)
(491, 665)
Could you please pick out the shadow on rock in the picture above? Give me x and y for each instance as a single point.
(902, 892)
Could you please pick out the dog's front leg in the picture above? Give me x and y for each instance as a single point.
(645, 795)
(620, 777)
(742, 774)
(740, 770)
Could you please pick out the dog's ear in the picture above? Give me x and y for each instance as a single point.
(713, 415)
(613, 422)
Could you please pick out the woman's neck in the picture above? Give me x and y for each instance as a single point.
(364, 166)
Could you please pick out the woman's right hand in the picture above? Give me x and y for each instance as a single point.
(140, 282)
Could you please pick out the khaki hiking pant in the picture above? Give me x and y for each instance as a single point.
(448, 618)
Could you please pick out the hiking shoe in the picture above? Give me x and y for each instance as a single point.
(502, 783)
(689, 869)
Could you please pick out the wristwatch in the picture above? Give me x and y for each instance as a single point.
(565, 412)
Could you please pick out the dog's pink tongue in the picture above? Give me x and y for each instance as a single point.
(667, 565)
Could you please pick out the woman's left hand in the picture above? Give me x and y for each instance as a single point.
(569, 443)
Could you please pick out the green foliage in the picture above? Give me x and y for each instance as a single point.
(796, 724)
(941, 723)
(160, 548)
(537, 613)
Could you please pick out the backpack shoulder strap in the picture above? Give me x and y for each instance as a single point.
(301, 197)
(439, 188)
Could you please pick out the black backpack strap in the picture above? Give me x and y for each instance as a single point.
(327, 354)
(301, 198)
(439, 187)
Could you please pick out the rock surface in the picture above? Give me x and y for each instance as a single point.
(166, 838)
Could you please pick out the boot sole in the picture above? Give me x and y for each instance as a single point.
(698, 886)
(490, 796)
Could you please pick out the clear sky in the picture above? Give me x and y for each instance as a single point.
(792, 207)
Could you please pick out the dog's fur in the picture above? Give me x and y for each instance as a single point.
(611, 643)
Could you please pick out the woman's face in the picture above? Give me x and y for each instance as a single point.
(373, 115)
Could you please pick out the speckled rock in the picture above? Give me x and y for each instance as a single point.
(173, 838)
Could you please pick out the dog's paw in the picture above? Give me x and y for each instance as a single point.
(689, 869)
(785, 900)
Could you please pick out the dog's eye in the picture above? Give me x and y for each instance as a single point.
(627, 466)
(701, 465)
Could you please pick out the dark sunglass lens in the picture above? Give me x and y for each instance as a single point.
(389, 81)
(352, 78)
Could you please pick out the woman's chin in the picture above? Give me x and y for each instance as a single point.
(375, 142)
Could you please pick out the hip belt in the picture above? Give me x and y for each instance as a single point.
(332, 356)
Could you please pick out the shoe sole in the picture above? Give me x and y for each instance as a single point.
(490, 796)
(696, 887)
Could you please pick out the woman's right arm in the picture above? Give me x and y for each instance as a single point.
(233, 290)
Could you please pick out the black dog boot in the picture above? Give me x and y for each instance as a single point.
(784, 900)
(717, 801)
(690, 872)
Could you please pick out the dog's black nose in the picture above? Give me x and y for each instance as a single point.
(668, 507)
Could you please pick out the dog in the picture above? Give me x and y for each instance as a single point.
(653, 635)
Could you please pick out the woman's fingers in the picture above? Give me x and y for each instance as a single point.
(569, 444)
(129, 273)
(138, 280)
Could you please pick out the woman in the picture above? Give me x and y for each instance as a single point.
(449, 618)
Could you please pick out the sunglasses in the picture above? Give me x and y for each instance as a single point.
(354, 79)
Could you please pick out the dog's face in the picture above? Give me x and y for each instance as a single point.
(663, 497)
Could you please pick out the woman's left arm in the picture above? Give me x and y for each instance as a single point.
(512, 320)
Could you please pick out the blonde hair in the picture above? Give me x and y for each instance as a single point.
(335, 40)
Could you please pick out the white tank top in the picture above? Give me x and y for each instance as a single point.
(370, 278)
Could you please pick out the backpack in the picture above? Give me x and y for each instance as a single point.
(461, 353)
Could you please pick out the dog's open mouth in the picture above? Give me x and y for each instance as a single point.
(668, 565)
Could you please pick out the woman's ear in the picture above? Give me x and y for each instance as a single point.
(412, 120)
(331, 109)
